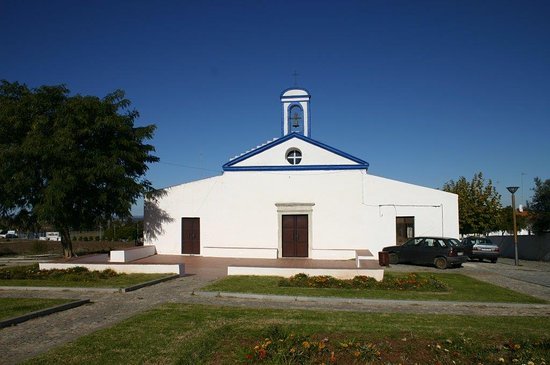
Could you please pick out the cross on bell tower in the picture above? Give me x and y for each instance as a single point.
(295, 75)
(296, 112)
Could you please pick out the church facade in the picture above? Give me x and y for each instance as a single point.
(295, 197)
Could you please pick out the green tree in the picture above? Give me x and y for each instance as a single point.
(540, 206)
(478, 204)
(506, 220)
(70, 161)
(127, 230)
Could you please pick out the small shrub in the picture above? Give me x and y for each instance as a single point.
(363, 282)
(109, 273)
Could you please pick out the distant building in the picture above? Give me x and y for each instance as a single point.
(295, 197)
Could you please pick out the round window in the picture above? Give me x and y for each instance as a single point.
(294, 156)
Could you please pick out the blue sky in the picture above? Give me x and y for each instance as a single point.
(425, 91)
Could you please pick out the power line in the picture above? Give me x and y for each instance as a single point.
(187, 166)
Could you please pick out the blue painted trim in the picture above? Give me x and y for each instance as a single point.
(308, 120)
(283, 122)
(295, 104)
(360, 163)
(298, 168)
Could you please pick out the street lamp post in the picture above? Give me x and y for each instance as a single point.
(513, 189)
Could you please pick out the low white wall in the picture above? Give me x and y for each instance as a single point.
(287, 272)
(122, 268)
(131, 254)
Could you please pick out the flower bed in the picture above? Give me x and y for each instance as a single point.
(278, 347)
(411, 281)
(33, 272)
(281, 348)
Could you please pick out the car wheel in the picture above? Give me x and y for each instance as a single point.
(440, 262)
(394, 259)
(494, 261)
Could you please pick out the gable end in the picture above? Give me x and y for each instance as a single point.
(356, 163)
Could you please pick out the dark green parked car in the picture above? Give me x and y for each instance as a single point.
(442, 252)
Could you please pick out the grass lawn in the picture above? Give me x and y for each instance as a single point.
(30, 275)
(14, 307)
(461, 288)
(200, 334)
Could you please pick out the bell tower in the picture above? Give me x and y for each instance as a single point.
(296, 115)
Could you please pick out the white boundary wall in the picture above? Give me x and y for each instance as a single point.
(121, 268)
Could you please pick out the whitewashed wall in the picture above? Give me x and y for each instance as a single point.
(352, 210)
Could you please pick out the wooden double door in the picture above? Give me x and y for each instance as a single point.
(191, 236)
(295, 235)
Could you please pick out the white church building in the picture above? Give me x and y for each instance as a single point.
(295, 197)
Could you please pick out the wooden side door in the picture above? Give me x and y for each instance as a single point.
(404, 227)
(190, 236)
(295, 235)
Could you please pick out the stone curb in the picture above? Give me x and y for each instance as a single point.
(44, 312)
(62, 288)
(337, 300)
(149, 283)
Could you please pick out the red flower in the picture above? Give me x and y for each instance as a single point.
(262, 354)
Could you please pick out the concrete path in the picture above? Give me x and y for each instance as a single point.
(39, 335)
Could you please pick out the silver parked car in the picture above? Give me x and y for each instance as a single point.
(481, 248)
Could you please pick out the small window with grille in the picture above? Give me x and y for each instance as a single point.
(294, 156)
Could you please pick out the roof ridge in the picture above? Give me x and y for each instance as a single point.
(253, 149)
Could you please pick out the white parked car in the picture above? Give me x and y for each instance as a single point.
(51, 236)
(8, 234)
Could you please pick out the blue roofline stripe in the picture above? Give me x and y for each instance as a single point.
(297, 168)
(361, 164)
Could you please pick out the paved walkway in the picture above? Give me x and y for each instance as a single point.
(36, 336)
